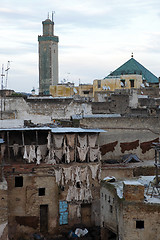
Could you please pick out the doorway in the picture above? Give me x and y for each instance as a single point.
(43, 218)
(86, 214)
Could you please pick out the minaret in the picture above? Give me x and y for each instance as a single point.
(48, 57)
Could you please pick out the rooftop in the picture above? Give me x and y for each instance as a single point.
(134, 67)
(142, 180)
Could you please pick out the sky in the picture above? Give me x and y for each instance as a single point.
(95, 38)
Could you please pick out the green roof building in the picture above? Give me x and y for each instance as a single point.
(134, 67)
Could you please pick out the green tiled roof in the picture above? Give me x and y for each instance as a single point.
(134, 67)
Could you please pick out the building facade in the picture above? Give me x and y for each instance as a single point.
(128, 210)
(48, 57)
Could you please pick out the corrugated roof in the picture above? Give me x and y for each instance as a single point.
(75, 130)
(134, 67)
(114, 115)
(56, 129)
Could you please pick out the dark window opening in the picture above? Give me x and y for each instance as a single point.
(102, 195)
(78, 184)
(122, 83)
(99, 83)
(105, 197)
(139, 224)
(41, 191)
(131, 83)
(18, 181)
(109, 199)
(111, 208)
(85, 92)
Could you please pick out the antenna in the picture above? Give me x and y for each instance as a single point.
(53, 12)
(8, 67)
(48, 15)
(2, 75)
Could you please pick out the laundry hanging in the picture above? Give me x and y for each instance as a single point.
(58, 154)
(25, 156)
(99, 175)
(93, 152)
(32, 154)
(82, 153)
(71, 153)
(83, 175)
(58, 139)
(49, 140)
(43, 149)
(62, 179)
(15, 149)
(58, 174)
(3, 148)
(70, 140)
(64, 146)
(87, 181)
(94, 169)
(99, 155)
(82, 141)
(39, 156)
(67, 174)
(68, 158)
(77, 174)
(70, 194)
(92, 138)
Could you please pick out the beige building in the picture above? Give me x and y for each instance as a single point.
(128, 209)
(68, 90)
(53, 177)
(119, 82)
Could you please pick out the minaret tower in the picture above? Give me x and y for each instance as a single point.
(48, 57)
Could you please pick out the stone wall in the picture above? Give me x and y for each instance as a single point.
(126, 135)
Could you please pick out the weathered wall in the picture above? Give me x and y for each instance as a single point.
(126, 135)
(148, 213)
(42, 110)
(3, 210)
(24, 203)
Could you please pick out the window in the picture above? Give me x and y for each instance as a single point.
(78, 184)
(19, 181)
(131, 83)
(122, 83)
(99, 83)
(41, 191)
(111, 208)
(139, 224)
(85, 92)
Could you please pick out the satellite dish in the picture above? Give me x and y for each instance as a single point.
(141, 93)
(104, 88)
(74, 90)
(109, 88)
(147, 84)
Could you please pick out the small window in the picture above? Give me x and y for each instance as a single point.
(109, 199)
(105, 197)
(102, 195)
(131, 83)
(78, 184)
(85, 92)
(139, 224)
(122, 83)
(99, 83)
(19, 181)
(111, 208)
(41, 191)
